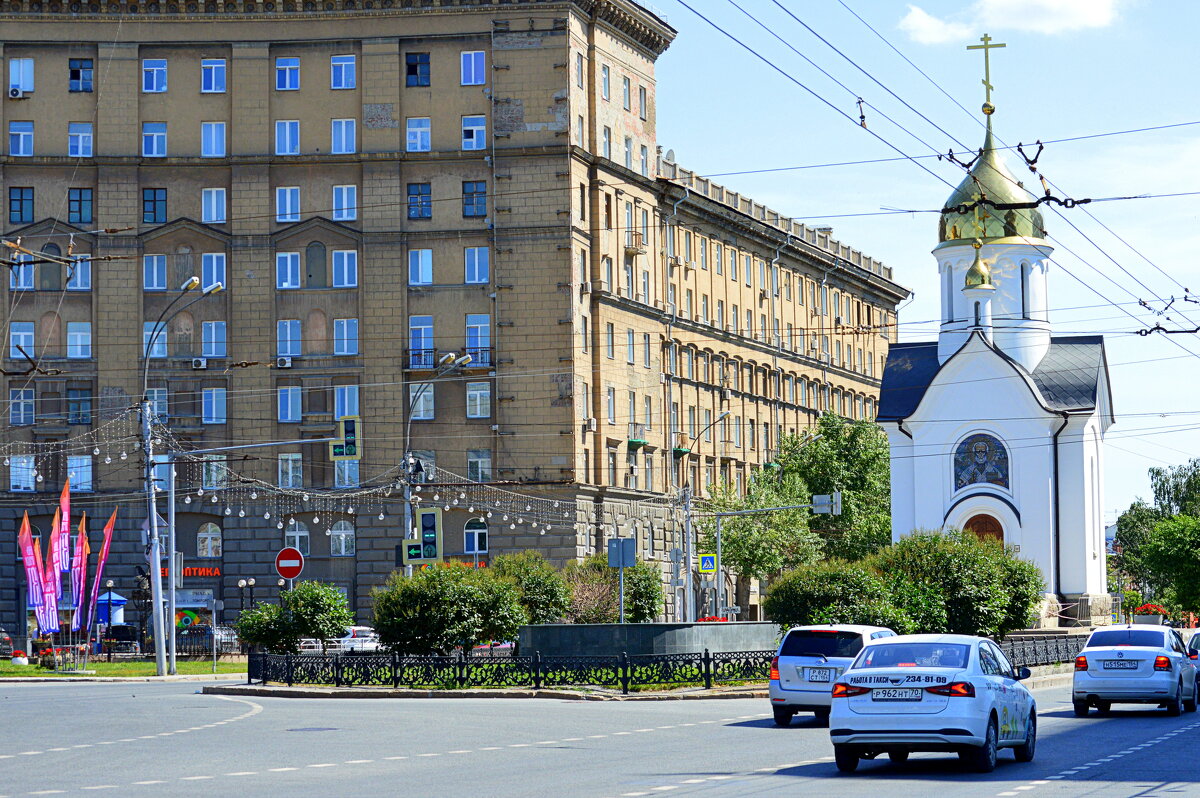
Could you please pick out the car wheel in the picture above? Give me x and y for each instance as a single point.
(822, 717)
(783, 717)
(899, 757)
(1175, 706)
(983, 758)
(1190, 704)
(1081, 708)
(846, 758)
(1024, 751)
(1103, 707)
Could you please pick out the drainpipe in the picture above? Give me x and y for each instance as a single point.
(1057, 537)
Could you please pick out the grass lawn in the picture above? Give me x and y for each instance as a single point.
(126, 668)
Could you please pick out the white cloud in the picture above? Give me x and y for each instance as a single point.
(1048, 17)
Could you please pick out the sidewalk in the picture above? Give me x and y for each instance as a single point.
(201, 677)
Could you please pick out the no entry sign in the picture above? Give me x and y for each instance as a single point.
(289, 563)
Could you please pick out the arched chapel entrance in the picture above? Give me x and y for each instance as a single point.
(985, 527)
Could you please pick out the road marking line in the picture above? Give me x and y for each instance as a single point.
(707, 721)
(282, 770)
(632, 794)
(666, 787)
(368, 761)
(514, 745)
(148, 781)
(491, 748)
(196, 778)
(666, 727)
(57, 792)
(543, 742)
(616, 734)
(58, 749)
(596, 736)
(323, 765)
(428, 754)
(693, 781)
(395, 757)
(30, 753)
(243, 773)
(102, 787)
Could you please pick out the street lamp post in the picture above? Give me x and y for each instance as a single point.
(108, 583)
(281, 582)
(241, 596)
(250, 584)
(686, 495)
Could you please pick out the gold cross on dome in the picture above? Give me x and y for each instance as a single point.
(987, 67)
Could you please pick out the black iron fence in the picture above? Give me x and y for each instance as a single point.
(1034, 650)
(620, 671)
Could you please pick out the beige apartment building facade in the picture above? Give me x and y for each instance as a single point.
(375, 185)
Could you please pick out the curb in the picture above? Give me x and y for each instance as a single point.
(212, 677)
(280, 691)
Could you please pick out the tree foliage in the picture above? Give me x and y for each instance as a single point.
(834, 592)
(594, 591)
(438, 609)
(1172, 551)
(311, 609)
(269, 628)
(544, 593)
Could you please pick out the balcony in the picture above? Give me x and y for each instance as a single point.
(420, 358)
(637, 436)
(481, 357)
(681, 444)
(635, 243)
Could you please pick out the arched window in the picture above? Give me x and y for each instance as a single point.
(341, 539)
(208, 541)
(475, 536)
(315, 270)
(1024, 290)
(50, 274)
(296, 536)
(316, 332)
(980, 458)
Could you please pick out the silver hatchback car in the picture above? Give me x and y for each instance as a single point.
(810, 659)
(1135, 664)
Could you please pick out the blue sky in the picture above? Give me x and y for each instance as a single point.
(1071, 68)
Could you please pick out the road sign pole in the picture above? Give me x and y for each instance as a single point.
(621, 580)
(719, 576)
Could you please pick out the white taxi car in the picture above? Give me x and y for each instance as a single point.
(1138, 664)
(810, 659)
(932, 693)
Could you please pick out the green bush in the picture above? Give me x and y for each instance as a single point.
(438, 609)
(268, 628)
(544, 593)
(834, 592)
(595, 594)
(311, 609)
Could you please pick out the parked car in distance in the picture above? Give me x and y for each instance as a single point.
(810, 659)
(6, 643)
(1135, 664)
(954, 693)
(357, 639)
(198, 639)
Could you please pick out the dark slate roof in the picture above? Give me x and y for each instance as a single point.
(1067, 378)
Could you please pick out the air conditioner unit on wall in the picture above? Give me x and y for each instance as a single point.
(199, 363)
(591, 425)
(283, 362)
(585, 287)
(15, 93)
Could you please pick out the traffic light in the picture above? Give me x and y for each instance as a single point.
(427, 547)
(346, 447)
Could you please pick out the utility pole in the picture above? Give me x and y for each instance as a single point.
(156, 608)
(689, 598)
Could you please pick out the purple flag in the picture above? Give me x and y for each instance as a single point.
(51, 583)
(64, 530)
(39, 609)
(33, 564)
(79, 574)
(108, 530)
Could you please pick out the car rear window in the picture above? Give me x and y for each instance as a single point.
(1127, 637)
(914, 655)
(818, 642)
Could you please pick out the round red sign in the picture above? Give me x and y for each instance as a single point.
(289, 563)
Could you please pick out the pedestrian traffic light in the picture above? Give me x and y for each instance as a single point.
(346, 447)
(426, 548)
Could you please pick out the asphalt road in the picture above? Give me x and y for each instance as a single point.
(151, 740)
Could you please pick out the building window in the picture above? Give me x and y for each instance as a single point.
(162, 471)
(626, 94)
(345, 401)
(287, 204)
(421, 401)
(642, 101)
(341, 538)
(341, 72)
(628, 152)
(214, 405)
(610, 341)
(420, 266)
(418, 134)
(295, 535)
(287, 137)
(158, 404)
(476, 263)
(288, 405)
(610, 404)
(420, 342)
(345, 203)
(79, 205)
(20, 407)
(345, 474)
(287, 338)
(20, 208)
(212, 205)
(605, 79)
(212, 76)
(473, 68)
(475, 536)
(287, 270)
(345, 268)
(630, 348)
(479, 338)
(479, 465)
(474, 133)
(79, 74)
(479, 399)
(21, 473)
(154, 139)
(646, 350)
(420, 201)
(208, 541)
(20, 74)
(154, 205)
(79, 406)
(212, 269)
(291, 470)
(345, 336)
(154, 272)
(79, 339)
(287, 73)
(342, 136)
(606, 142)
(79, 139)
(416, 69)
(212, 338)
(212, 139)
(20, 336)
(20, 139)
(154, 75)
(644, 163)
(154, 339)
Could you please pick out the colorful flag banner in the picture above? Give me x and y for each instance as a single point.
(40, 610)
(33, 564)
(51, 583)
(108, 530)
(64, 528)
(79, 574)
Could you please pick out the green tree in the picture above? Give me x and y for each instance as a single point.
(268, 627)
(594, 591)
(436, 610)
(316, 610)
(834, 592)
(1172, 551)
(544, 593)
(1134, 527)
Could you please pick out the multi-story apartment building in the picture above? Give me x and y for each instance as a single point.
(377, 184)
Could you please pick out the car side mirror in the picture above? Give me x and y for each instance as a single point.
(1023, 673)
(1193, 654)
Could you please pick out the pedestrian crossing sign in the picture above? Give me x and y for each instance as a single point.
(708, 563)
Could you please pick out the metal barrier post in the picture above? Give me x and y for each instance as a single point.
(623, 672)
(706, 662)
(395, 670)
(289, 665)
(535, 663)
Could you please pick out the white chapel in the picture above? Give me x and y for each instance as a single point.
(997, 426)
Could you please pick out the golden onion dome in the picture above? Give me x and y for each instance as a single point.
(979, 275)
(989, 178)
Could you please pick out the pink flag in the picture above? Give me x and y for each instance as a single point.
(41, 611)
(51, 578)
(108, 530)
(79, 574)
(33, 564)
(64, 528)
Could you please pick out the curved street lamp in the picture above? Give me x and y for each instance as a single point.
(689, 587)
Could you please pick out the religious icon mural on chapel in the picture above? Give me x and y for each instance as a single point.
(980, 458)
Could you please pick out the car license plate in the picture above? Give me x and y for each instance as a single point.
(1120, 664)
(896, 694)
(820, 674)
